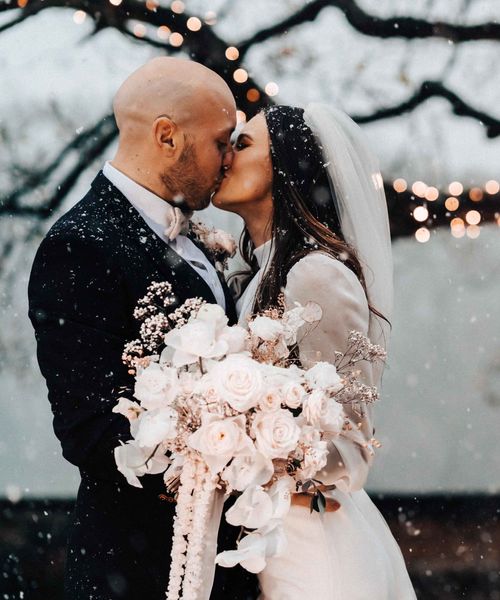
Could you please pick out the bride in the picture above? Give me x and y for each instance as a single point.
(316, 228)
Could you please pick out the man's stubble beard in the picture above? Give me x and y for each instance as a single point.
(183, 179)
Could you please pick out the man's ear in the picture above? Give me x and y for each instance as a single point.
(168, 136)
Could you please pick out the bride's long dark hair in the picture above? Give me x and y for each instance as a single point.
(304, 218)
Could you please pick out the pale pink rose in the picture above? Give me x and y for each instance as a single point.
(324, 375)
(271, 399)
(276, 433)
(156, 386)
(324, 412)
(219, 439)
(226, 242)
(236, 339)
(315, 458)
(265, 328)
(239, 381)
(293, 394)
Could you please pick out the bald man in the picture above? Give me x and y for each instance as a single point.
(174, 118)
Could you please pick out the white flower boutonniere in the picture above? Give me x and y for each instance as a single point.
(220, 245)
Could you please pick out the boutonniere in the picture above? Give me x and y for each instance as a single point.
(219, 244)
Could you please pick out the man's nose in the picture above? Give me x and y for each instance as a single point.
(227, 159)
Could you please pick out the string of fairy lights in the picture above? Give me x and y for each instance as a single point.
(455, 200)
(461, 206)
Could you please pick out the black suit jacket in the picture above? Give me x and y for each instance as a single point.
(89, 272)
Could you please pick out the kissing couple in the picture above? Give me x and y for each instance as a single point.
(311, 196)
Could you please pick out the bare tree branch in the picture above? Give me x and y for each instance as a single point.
(431, 89)
(396, 27)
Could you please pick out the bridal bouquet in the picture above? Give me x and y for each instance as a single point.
(220, 407)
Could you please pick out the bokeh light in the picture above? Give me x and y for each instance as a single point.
(400, 185)
(420, 214)
(232, 53)
(422, 235)
(240, 76)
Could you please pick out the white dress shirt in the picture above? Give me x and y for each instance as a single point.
(158, 214)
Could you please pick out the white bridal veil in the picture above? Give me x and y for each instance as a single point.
(361, 205)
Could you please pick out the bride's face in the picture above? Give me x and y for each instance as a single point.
(248, 182)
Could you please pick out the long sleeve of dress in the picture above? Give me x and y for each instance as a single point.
(328, 282)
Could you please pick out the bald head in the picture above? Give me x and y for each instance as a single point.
(168, 86)
(175, 118)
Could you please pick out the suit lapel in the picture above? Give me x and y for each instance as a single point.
(172, 266)
(230, 305)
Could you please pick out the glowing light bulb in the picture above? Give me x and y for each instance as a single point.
(240, 76)
(272, 89)
(492, 187)
(455, 188)
(163, 32)
(253, 95)
(473, 231)
(476, 194)
(232, 53)
(420, 214)
(419, 188)
(422, 235)
(115, 2)
(139, 30)
(210, 17)
(473, 217)
(431, 193)
(400, 185)
(177, 7)
(79, 16)
(194, 24)
(451, 203)
(176, 39)
(457, 227)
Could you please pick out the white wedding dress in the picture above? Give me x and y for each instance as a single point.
(349, 554)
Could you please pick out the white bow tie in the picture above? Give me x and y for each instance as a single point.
(177, 223)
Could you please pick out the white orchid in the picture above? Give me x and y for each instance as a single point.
(249, 470)
(133, 461)
(156, 426)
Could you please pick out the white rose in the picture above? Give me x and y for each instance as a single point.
(293, 394)
(270, 400)
(219, 439)
(195, 340)
(315, 458)
(212, 313)
(248, 471)
(276, 433)
(324, 412)
(156, 386)
(253, 509)
(227, 242)
(265, 328)
(235, 337)
(156, 426)
(239, 381)
(324, 375)
(127, 408)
